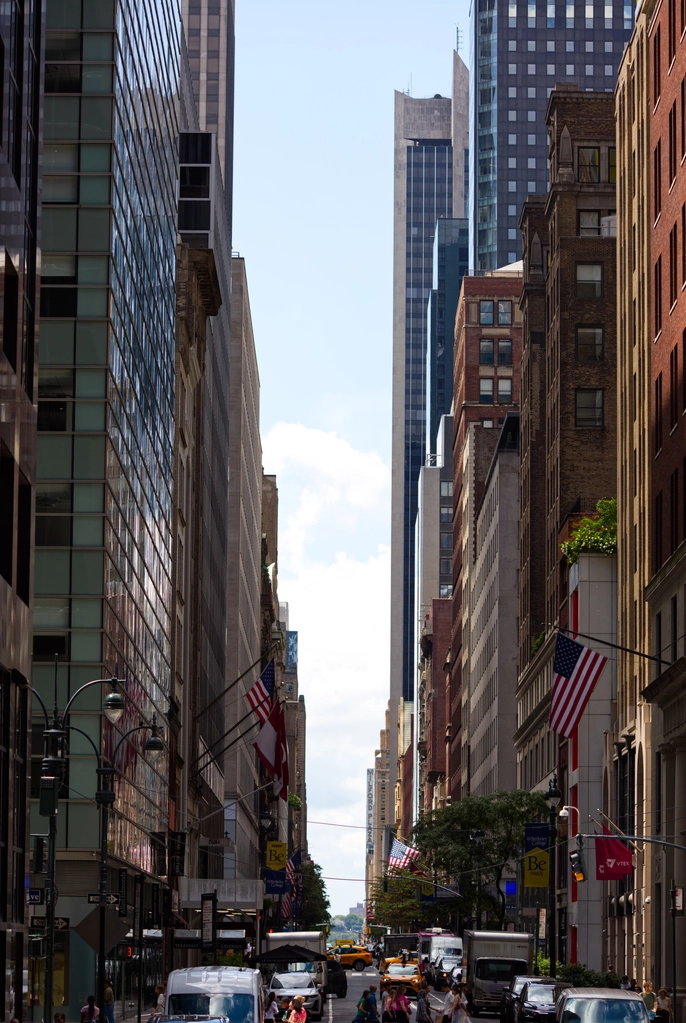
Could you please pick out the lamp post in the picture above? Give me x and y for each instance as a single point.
(553, 798)
(52, 772)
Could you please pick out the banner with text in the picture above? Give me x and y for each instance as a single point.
(536, 858)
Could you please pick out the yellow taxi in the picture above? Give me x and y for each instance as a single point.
(353, 957)
(408, 975)
(410, 957)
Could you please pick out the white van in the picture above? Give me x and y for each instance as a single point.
(232, 991)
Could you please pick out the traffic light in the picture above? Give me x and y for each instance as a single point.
(38, 863)
(578, 862)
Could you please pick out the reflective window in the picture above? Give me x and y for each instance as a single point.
(589, 407)
(589, 280)
(589, 164)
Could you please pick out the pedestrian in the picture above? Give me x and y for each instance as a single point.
(285, 1009)
(400, 1006)
(633, 985)
(387, 997)
(624, 983)
(460, 1013)
(449, 1001)
(363, 1010)
(59, 1018)
(109, 1000)
(423, 1007)
(271, 1007)
(663, 1005)
(648, 995)
(90, 1010)
(298, 1014)
(372, 1002)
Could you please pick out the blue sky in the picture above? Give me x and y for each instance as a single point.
(313, 206)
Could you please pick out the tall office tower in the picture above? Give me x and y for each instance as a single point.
(210, 35)
(520, 49)
(103, 589)
(244, 564)
(429, 161)
(21, 33)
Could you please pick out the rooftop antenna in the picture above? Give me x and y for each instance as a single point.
(458, 38)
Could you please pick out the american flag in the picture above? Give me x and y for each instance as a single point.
(401, 854)
(286, 906)
(260, 695)
(293, 864)
(576, 669)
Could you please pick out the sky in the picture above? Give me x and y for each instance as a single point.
(313, 208)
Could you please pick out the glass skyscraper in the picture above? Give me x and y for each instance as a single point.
(520, 50)
(106, 423)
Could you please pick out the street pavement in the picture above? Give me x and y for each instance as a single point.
(342, 1010)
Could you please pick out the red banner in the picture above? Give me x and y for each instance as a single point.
(612, 859)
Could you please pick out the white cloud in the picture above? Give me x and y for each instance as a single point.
(334, 504)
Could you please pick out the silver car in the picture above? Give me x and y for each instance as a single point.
(300, 983)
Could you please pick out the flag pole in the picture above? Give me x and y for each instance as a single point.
(606, 642)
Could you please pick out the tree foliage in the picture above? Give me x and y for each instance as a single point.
(315, 905)
(447, 841)
(597, 535)
(399, 905)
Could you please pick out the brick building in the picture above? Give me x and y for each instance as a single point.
(434, 647)
(664, 767)
(486, 388)
(569, 408)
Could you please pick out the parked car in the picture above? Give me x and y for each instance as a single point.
(299, 983)
(337, 982)
(511, 995)
(536, 1002)
(600, 1005)
(215, 991)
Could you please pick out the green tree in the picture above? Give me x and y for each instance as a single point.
(396, 901)
(449, 844)
(353, 922)
(315, 902)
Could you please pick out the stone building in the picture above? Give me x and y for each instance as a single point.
(631, 757)
(434, 665)
(485, 389)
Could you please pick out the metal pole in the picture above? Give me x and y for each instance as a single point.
(672, 896)
(102, 891)
(141, 882)
(50, 898)
(552, 945)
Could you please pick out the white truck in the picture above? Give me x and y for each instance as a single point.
(491, 959)
(315, 941)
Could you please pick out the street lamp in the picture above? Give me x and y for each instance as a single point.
(52, 772)
(553, 797)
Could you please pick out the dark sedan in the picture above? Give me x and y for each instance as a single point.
(512, 993)
(536, 1002)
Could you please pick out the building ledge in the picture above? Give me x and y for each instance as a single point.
(668, 685)
(664, 578)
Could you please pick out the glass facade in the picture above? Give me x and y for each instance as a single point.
(450, 262)
(106, 398)
(519, 52)
(429, 198)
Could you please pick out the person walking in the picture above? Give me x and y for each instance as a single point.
(109, 1000)
(663, 1005)
(371, 998)
(90, 1010)
(271, 1007)
(648, 995)
(363, 1008)
(298, 1013)
(400, 1007)
(460, 1012)
(423, 1007)
(624, 983)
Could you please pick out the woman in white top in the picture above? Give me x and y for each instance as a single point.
(460, 1013)
(271, 1007)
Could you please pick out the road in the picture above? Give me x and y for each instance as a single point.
(342, 1010)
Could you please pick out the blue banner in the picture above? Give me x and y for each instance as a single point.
(276, 883)
(291, 650)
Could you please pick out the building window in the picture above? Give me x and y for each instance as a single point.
(446, 566)
(657, 179)
(589, 223)
(505, 390)
(673, 387)
(447, 541)
(589, 407)
(486, 312)
(673, 265)
(504, 313)
(672, 143)
(657, 71)
(671, 30)
(486, 351)
(657, 296)
(504, 352)
(446, 514)
(658, 414)
(589, 344)
(589, 280)
(445, 590)
(446, 488)
(674, 514)
(612, 165)
(658, 544)
(486, 390)
(589, 164)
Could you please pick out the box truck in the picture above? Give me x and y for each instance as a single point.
(491, 959)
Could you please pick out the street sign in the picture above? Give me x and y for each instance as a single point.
(62, 923)
(679, 900)
(110, 900)
(35, 896)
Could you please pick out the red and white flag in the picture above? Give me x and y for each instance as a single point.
(272, 749)
(576, 669)
(261, 694)
(612, 858)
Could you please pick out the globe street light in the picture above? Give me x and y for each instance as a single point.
(553, 798)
